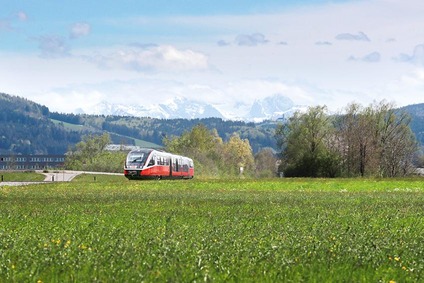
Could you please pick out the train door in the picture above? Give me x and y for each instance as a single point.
(170, 162)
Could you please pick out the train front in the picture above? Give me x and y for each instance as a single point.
(135, 162)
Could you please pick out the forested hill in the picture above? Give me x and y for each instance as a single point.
(30, 128)
(416, 112)
(25, 128)
(155, 130)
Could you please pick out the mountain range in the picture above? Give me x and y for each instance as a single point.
(269, 108)
(30, 128)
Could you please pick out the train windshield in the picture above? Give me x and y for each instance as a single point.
(137, 158)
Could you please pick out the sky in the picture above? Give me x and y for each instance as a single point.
(75, 54)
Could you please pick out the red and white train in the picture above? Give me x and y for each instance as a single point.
(154, 164)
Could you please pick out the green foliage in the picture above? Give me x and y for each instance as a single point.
(371, 141)
(304, 141)
(290, 230)
(211, 155)
(238, 157)
(89, 155)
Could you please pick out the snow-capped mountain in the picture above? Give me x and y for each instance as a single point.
(187, 109)
(269, 108)
(177, 108)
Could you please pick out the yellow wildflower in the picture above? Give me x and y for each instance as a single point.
(397, 258)
(68, 242)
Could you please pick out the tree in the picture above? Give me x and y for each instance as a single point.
(238, 156)
(375, 141)
(211, 155)
(305, 143)
(90, 155)
(202, 145)
(396, 142)
(265, 163)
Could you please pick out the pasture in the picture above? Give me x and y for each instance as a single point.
(277, 230)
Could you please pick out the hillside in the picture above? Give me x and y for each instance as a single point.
(416, 112)
(155, 130)
(25, 128)
(30, 128)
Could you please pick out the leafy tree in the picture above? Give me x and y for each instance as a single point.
(202, 145)
(90, 155)
(305, 142)
(212, 156)
(238, 156)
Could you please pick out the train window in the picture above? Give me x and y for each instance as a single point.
(152, 161)
(136, 157)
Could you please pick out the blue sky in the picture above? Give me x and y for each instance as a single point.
(74, 54)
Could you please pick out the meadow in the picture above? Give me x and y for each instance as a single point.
(19, 176)
(276, 230)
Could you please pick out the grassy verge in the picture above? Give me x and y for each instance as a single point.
(239, 230)
(99, 178)
(18, 176)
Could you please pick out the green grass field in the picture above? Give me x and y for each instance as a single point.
(285, 230)
(20, 176)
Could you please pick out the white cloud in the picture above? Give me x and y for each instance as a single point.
(154, 58)
(52, 46)
(7, 24)
(416, 58)
(373, 57)
(323, 43)
(22, 16)
(223, 43)
(79, 29)
(354, 37)
(250, 39)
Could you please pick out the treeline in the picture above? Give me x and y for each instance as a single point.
(155, 130)
(365, 141)
(214, 157)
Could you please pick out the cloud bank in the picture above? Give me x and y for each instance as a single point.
(153, 58)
